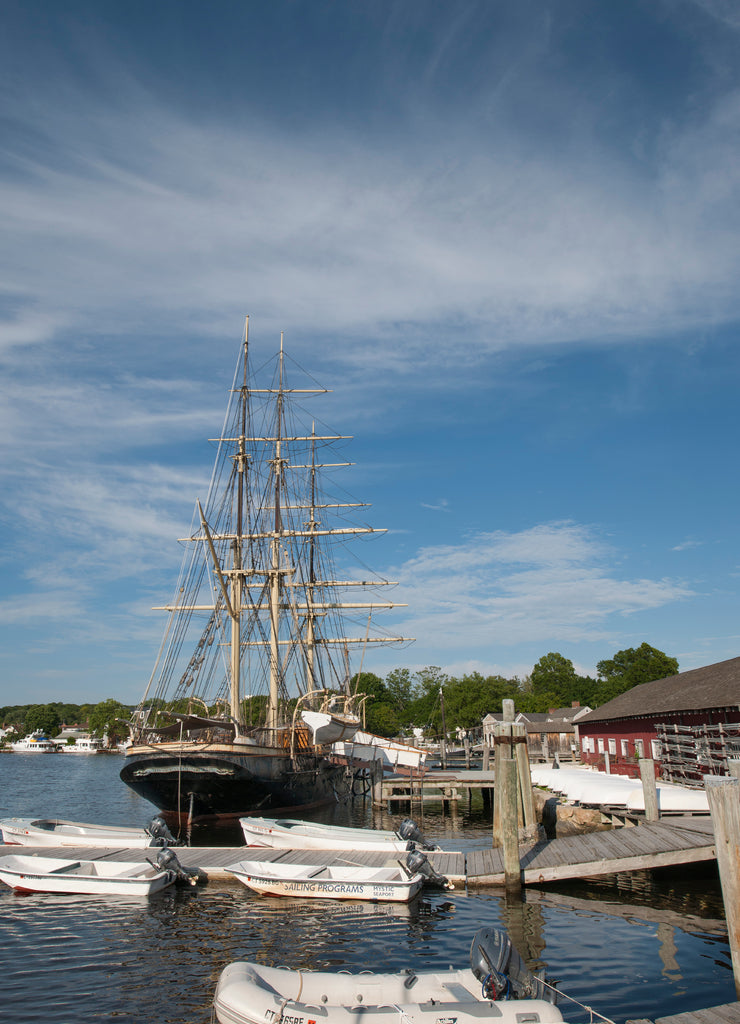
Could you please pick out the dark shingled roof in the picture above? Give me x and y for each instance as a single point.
(714, 686)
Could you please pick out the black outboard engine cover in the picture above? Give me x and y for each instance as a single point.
(502, 972)
(408, 829)
(167, 861)
(418, 861)
(157, 829)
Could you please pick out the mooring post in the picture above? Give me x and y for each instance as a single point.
(497, 748)
(376, 776)
(510, 827)
(649, 789)
(724, 804)
(524, 775)
(486, 756)
(733, 763)
(501, 749)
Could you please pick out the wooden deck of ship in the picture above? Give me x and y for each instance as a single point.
(684, 840)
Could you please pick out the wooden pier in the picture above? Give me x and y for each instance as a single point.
(434, 786)
(727, 1013)
(648, 845)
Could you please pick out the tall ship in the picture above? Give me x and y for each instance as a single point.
(252, 685)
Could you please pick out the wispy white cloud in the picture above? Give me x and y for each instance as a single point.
(147, 216)
(551, 583)
(687, 544)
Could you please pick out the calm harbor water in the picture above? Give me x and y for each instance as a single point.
(641, 945)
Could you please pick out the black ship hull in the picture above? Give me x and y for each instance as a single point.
(213, 787)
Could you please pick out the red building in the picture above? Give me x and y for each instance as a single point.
(689, 724)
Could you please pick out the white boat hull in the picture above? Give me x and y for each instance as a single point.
(250, 993)
(289, 834)
(98, 878)
(328, 881)
(56, 832)
(328, 728)
(366, 746)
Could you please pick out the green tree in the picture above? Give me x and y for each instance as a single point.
(400, 685)
(43, 718)
(633, 666)
(103, 720)
(552, 674)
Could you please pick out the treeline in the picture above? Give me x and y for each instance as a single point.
(99, 719)
(405, 700)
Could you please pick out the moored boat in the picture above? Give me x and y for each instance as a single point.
(219, 731)
(291, 834)
(83, 745)
(36, 743)
(369, 749)
(497, 988)
(54, 832)
(340, 881)
(89, 877)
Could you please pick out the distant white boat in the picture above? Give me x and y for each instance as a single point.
(329, 881)
(329, 728)
(369, 748)
(54, 832)
(83, 745)
(36, 743)
(289, 834)
(497, 988)
(91, 877)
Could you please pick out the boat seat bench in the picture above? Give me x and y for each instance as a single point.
(130, 872)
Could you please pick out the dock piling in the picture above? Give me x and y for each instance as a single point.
(724, 804)
(649, 789)
(509, 822)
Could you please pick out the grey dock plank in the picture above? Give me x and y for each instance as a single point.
(727, 1013)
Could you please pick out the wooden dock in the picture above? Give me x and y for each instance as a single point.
(432, 786)
(727, 1013)
(648, 845)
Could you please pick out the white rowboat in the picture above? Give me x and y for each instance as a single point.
(250, 993)
(90, 877)
(329, 881)
(289, 834)
(57, 832)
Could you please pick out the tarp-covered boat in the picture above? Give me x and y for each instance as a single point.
(497, 987)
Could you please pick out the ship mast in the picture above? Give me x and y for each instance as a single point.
(237, 579)
(274, 575)
(311, 525)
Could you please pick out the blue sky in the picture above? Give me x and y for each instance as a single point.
(505, 234)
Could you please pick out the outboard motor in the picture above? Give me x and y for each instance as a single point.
(167, 861)
(502, 972)
(157, 829)
(409, 830)
(416, 861)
